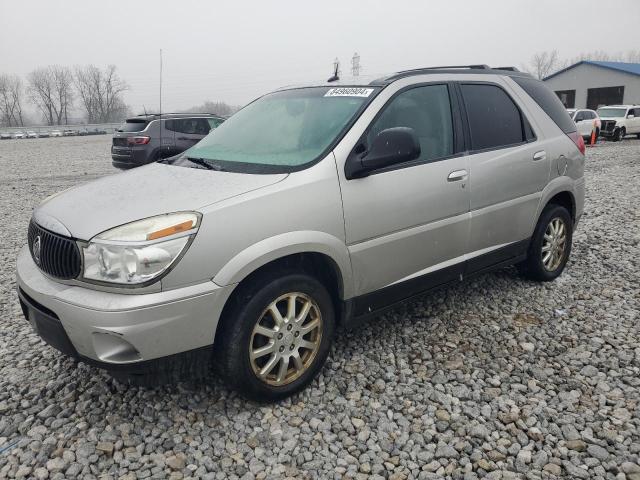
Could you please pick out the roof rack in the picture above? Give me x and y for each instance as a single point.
(151, 114)
(479, 68)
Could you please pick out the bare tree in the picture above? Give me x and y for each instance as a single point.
(51, 90)
(11, 93)
(100, 92)
(543, 64)
(218, 108)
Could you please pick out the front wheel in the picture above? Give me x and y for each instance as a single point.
(276, 338)
(550, 245)
(619, 135)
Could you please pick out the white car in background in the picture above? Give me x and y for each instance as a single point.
(586, 120)
(619, 121)
(55, 133)
(18, 135)
(32, 134)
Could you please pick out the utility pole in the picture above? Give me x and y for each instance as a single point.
(355, 65)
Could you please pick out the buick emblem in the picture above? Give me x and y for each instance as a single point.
(36, 250)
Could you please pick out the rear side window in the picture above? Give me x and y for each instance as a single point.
(494, 119)
(193, 126)
(133, 126)
(548, 101)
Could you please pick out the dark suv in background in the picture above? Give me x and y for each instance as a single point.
(147, 138)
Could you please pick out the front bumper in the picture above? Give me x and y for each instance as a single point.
(119, 332)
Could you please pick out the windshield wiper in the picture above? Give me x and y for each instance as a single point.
(205, 163)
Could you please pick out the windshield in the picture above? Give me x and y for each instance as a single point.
(612, 112)
(282, 131)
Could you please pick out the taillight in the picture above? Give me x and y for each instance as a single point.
(138, 140)
(578, 140)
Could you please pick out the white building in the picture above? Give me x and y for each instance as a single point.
(590, 84)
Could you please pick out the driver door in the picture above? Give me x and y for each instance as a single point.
(407, 225)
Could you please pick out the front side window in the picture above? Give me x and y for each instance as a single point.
(494, 119)
(426, 110)
(282, 131)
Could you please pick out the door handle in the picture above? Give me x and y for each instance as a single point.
(457, 175)
(541, 155)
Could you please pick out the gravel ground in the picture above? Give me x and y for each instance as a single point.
(498, 378)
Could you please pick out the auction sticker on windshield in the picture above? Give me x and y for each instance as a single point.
(348, 92)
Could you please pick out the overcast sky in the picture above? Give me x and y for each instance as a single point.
(234, 51)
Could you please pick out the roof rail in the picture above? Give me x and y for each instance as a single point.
(448, 67)
(148, 114)
(470, 69)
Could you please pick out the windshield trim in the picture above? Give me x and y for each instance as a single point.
(267, 169)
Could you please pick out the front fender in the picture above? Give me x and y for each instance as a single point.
(273, 248)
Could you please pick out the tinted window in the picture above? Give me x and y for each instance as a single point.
(133, 126)
(193, 126)
(427, 111)
(548, 101)
(494, 120)
(580, 116)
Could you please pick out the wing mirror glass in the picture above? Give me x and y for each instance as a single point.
(390, 147)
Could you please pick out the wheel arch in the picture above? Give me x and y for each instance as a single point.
(303, 249)
(318, 264)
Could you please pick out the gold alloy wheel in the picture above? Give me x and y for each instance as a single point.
(286, 339)
(554, 244)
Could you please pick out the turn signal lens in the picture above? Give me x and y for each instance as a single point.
(165, 232)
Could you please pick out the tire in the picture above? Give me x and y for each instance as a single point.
(619, 134)
(538, 266)
(239, 335)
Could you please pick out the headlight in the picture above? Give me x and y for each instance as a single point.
(139, 252)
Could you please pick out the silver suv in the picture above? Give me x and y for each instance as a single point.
(312, 207)
(147, 138)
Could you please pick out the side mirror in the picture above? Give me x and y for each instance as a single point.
(391, 146)
(631, 115)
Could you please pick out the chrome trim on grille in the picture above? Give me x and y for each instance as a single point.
(58, 256)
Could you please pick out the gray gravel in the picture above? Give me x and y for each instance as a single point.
(498, 378)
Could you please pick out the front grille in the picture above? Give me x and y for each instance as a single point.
(119, 141)
(608, 125)
(58, 256)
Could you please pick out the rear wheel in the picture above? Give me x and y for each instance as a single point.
(277, 336)
(550, 245)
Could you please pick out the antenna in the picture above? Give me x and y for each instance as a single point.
(160, 109)
(336, 71)
(355, 65)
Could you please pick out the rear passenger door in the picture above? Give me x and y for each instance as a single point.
(634, 122)
(507, 171)
(583, 122)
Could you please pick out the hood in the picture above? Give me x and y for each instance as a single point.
(146, 191)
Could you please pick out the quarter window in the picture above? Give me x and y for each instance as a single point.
(426, 110)
(494, 119)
